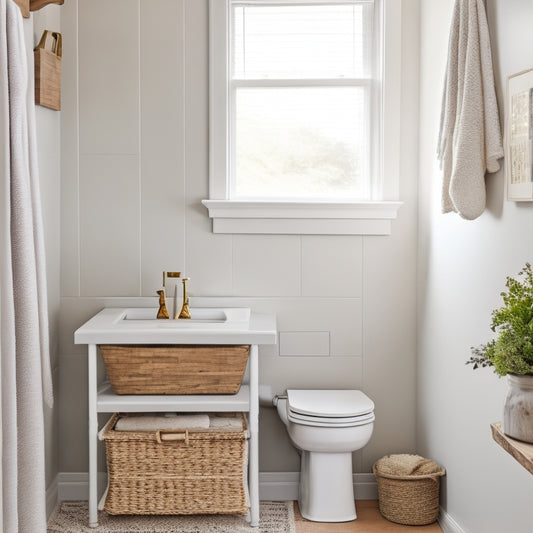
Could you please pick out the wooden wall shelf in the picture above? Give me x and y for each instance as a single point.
(521, 451)
(34, 5)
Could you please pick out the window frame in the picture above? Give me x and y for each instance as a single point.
(306, 216)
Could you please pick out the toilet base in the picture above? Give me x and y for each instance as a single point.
(326, 487)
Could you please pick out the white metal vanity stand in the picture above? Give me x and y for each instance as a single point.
(111, 326)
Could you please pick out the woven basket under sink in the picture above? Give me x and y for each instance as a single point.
(175, 369)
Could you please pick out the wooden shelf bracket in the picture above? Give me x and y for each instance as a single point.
(521, 451)
(34, 5)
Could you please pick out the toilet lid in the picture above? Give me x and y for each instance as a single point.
(333, 422)
(329, 403)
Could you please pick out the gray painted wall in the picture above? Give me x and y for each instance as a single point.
(462, 270)
(134, 170)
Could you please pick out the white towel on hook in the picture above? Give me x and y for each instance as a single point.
(470, 141)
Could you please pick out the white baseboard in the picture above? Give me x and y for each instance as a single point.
(75, 485)
(273, 486)
(278, 486)
(448, 524)
(51, 496)
(365, 487)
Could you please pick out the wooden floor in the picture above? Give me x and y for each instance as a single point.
(368, 520)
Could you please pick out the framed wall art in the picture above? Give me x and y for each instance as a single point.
(519, 137)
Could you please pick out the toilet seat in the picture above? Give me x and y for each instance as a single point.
(329, 408)
(329, 403)
(337, 422)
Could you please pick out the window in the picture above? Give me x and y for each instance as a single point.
(296, 108)
(300, 96)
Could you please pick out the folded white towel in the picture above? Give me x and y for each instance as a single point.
(225, 422)
(154, 423)
(470, 141)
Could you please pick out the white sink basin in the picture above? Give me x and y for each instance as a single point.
(198, 315)
(207, 325)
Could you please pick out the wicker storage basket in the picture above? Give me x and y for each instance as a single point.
(175, 369)
(204, 472)
(47, 62)
(408, 488)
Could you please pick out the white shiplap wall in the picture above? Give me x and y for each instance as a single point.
(134, 170)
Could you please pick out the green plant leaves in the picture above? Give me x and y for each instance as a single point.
(512, 350)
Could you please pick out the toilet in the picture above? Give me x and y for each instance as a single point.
(326, 426)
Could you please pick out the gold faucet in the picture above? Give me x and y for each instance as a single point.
(185, 311)
(162, 313)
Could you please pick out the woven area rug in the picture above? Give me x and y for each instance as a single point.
(72, 517)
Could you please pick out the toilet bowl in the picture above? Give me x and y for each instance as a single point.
(326, 426)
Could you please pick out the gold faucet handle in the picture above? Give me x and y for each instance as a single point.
(185, 311)
(162, 312)
(170, 275)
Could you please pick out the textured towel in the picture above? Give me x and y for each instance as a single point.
(220, 421)
(179, 421)
(470, 141)
(154, 423)
(407, 465)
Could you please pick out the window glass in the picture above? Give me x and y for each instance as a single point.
(307, 142)
(299, 41)
(300, 93)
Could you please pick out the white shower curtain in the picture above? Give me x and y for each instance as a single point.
(24, 345)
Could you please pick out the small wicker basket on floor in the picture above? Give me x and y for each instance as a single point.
(204, 472)
(408, 488)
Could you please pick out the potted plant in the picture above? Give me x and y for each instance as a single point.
(511, 353)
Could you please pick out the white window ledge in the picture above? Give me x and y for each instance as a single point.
(308, 218)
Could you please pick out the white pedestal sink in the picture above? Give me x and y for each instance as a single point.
(207, 325)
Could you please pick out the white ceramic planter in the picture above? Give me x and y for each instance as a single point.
(518, 409)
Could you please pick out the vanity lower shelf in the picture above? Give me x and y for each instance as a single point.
(109, 402)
